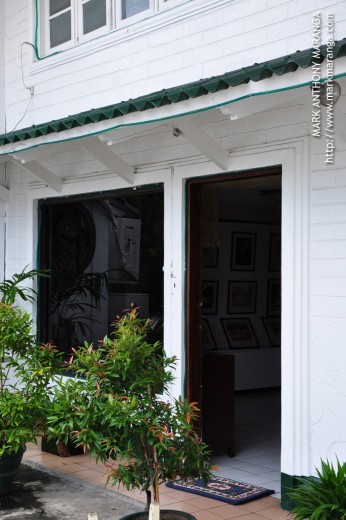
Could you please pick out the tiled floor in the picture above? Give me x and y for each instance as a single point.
(257, 461)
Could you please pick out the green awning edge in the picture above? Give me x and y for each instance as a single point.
(256, 72)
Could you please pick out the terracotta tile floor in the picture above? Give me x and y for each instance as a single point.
(82, 467)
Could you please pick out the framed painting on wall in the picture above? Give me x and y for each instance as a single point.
(273, 329)
(243, 251)
(274, 298)
(207, 339)
(239, 332)
(209, 297)
(241, 297)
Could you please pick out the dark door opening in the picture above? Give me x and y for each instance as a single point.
(103, 253)
(233, 295)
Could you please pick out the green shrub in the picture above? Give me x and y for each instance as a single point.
(322, 497)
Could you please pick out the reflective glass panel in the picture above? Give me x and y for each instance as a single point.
(132, 7)
(94, 15)
(55, 6)
(60, 29)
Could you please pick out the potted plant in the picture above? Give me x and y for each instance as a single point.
(322, 497)
(26, 370)
(115, 408)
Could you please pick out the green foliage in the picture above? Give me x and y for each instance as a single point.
(115, 409)
(11, 289)
(26, 372)
(322, 498)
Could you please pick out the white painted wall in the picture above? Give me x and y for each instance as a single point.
(328, 304)
(2, 67)
(195, 40)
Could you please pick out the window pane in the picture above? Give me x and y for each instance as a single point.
(58, 5)
(60, 29)
(132, 7)
(102, 256)
(94, 15)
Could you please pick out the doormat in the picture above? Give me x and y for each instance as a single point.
(224, 489)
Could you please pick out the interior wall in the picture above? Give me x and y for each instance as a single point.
(241, 291)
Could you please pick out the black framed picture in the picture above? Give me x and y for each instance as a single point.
(274, 298)
(207, 339)
(241, 297)
(243, 251)
(210, 256)
(209, 297)
(239, 332)
(275, 253)
(273, 329)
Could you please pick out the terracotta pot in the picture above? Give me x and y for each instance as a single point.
(165, 514)
(9, 464)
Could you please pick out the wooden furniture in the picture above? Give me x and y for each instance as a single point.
(218, 402)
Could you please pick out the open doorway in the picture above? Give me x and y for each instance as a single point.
(234, 319)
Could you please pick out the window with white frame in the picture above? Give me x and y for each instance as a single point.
(68, 22)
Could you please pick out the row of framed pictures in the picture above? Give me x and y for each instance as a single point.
(242, 297)
(240, 334)
(243, 253)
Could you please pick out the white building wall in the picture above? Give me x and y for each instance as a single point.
(2, 68)
(195, 40)
(328, 304)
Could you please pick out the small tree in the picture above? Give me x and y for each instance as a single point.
(114, 407)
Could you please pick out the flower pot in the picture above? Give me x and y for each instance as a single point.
(9, 463)
(165, 514)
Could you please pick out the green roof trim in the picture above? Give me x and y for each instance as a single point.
(256, 72)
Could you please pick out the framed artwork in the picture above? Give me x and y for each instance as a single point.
(209, 297)
(275, 253)
(210, 256)
(243, 251)
(207, 339)
(274, 298)
(241, 297)
(273, 329)
(239, 332)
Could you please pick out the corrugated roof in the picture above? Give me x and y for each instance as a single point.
(256, 72)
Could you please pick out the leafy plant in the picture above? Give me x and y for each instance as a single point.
(115, 409)
(11, 289)
(72, 298)
(26, 370)
(322, 497)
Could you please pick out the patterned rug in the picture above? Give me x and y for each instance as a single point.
(224, 489)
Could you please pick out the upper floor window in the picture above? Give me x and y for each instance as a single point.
(69, 22)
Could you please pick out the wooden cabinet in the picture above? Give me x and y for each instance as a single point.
(218, 402)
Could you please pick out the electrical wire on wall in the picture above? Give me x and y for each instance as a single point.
(30, 88)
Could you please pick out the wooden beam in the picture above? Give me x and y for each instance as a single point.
(49, 178)
(104, 154)
(204, 143)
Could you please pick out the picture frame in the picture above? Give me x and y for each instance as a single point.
(273, 330)
(241, 297)
(207, 339)
(210, 291)
(210, 256)
(274, 298)
(243, 251)
(275, 252)
(239, 333)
